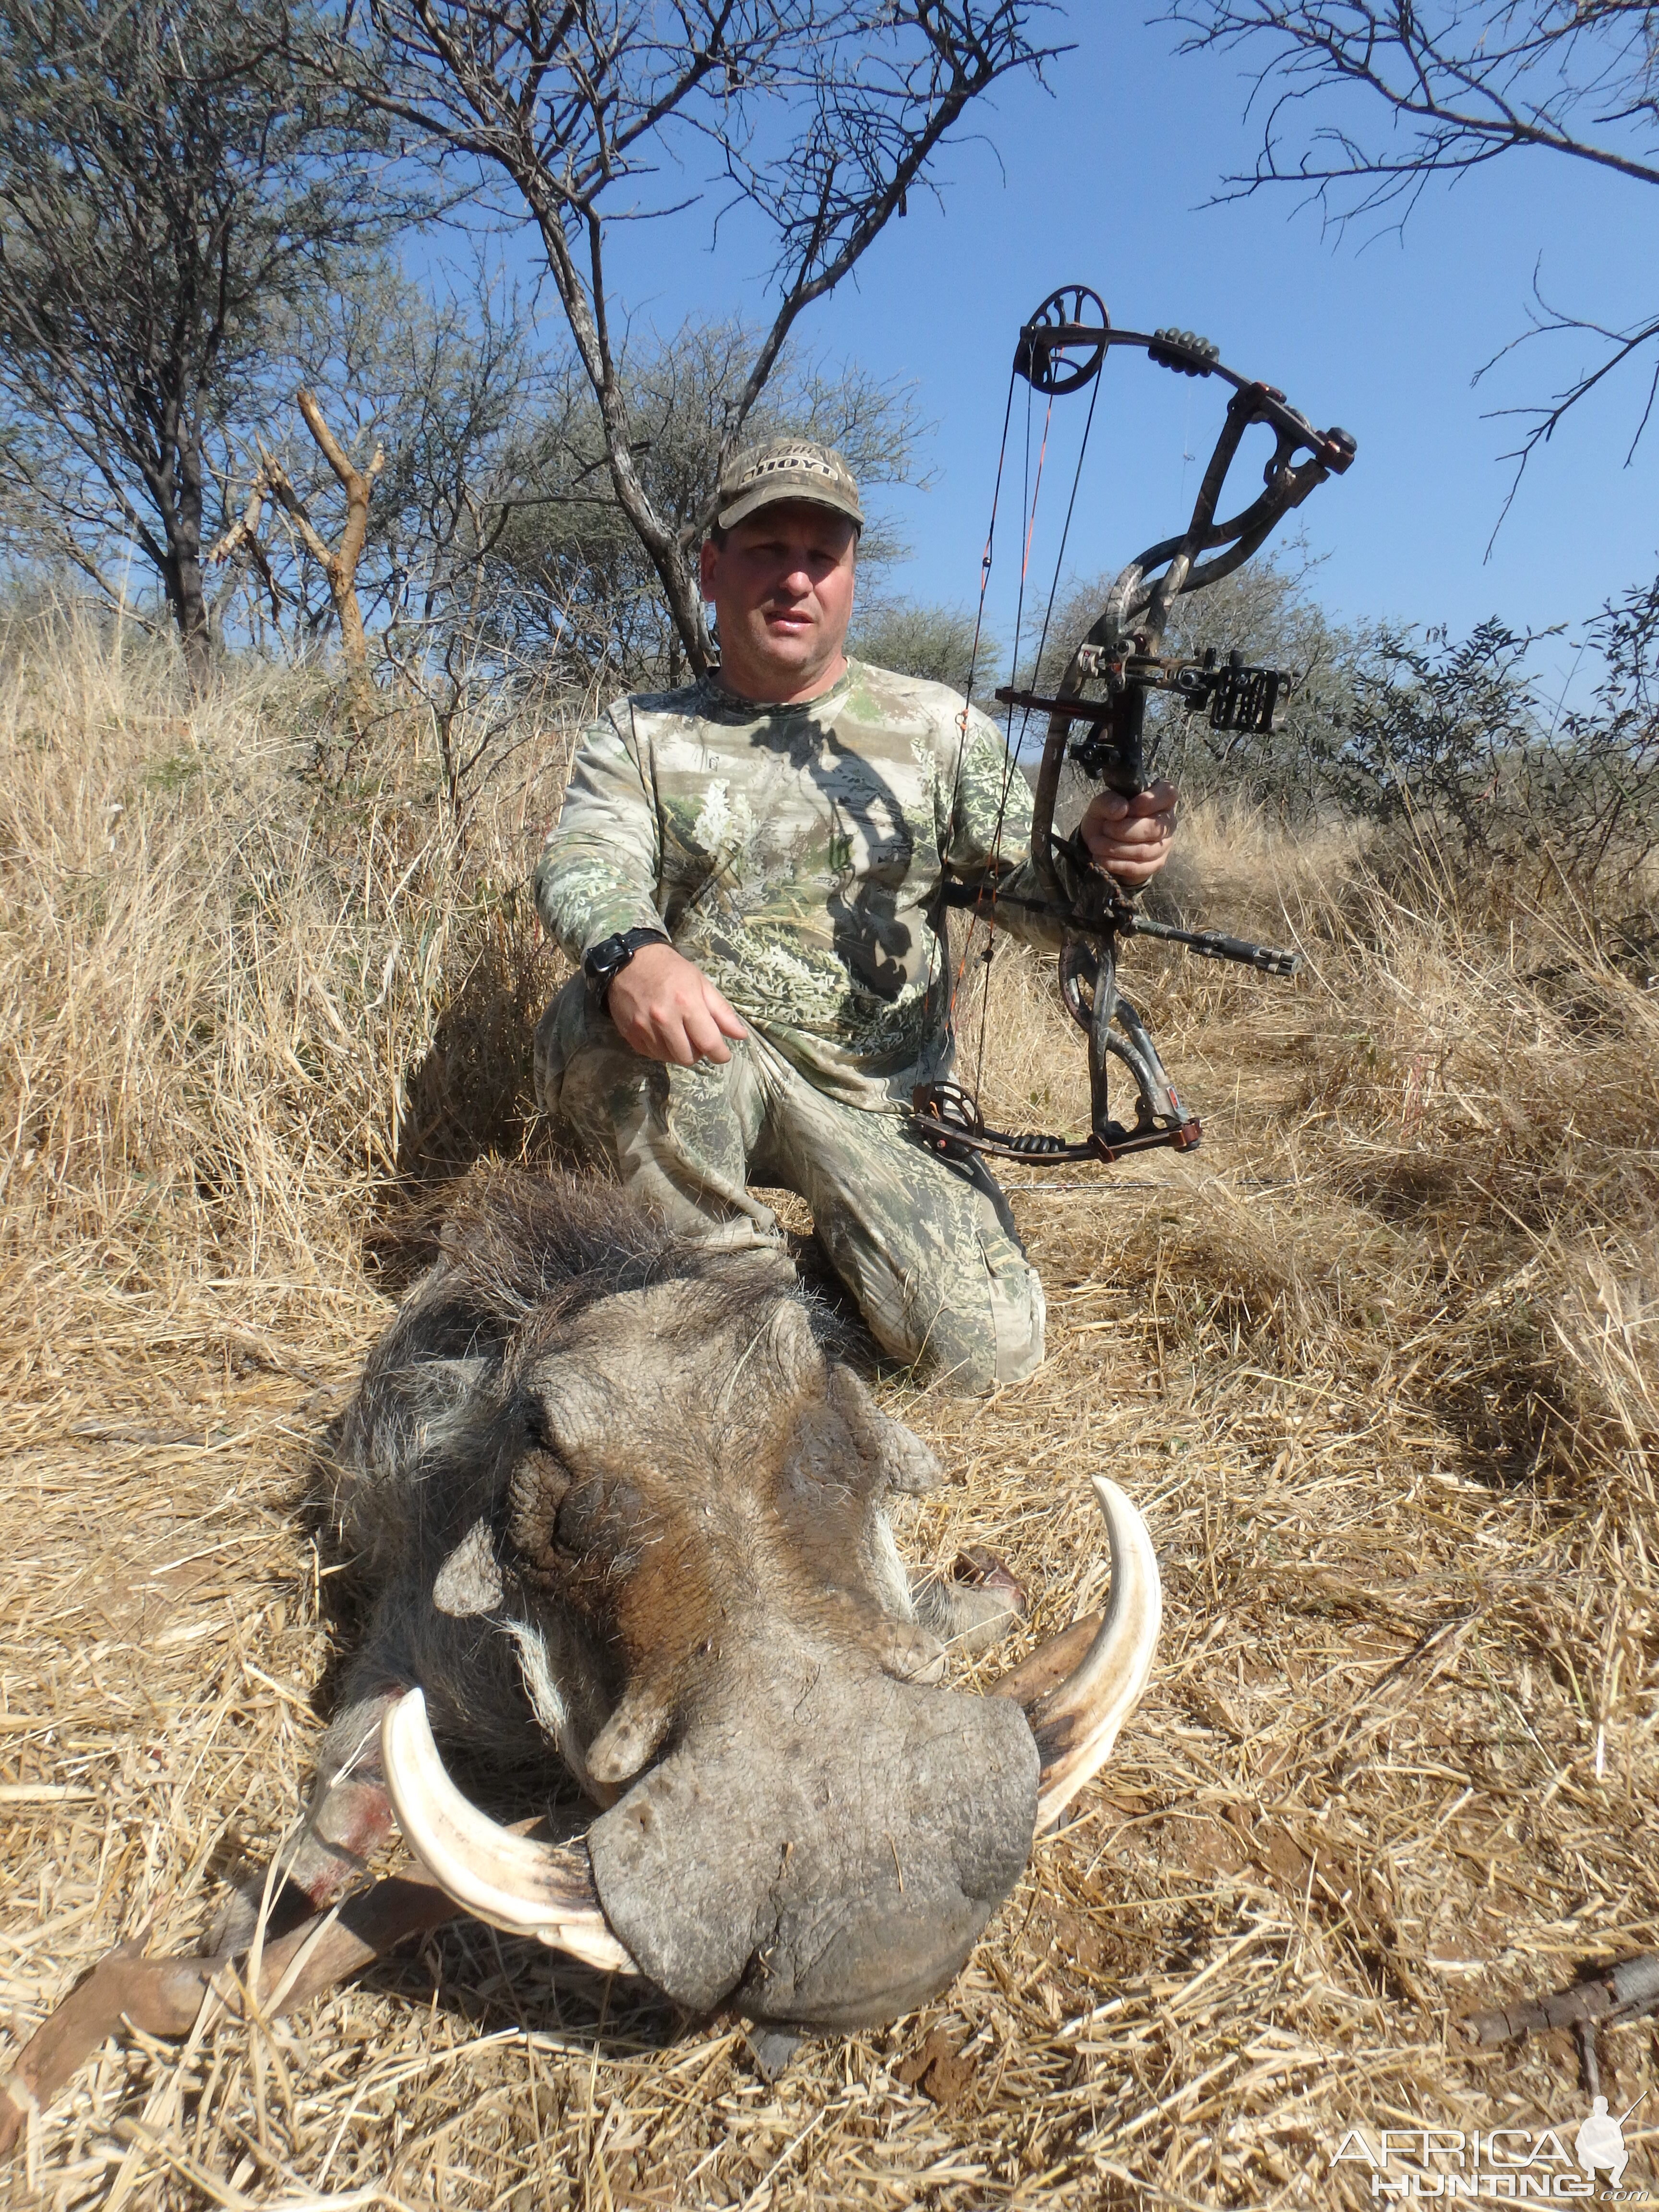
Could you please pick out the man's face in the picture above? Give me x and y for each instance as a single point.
(782, 590)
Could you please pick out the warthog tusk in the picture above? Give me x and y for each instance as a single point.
(1076, 1722)
(523, 1888)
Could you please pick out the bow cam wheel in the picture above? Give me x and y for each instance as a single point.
(1060, 365)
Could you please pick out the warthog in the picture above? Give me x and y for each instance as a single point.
(616, 1507)
(619, 1516)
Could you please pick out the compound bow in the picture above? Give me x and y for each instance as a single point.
(1104, 689)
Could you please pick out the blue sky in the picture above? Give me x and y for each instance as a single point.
(1104, 180)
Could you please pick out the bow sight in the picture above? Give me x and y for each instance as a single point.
(1103, 695)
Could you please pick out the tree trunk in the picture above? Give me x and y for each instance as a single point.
(667, 556)
(187, 603)
(183, 580)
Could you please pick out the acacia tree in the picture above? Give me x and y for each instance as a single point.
(491, 561)
(169, 193)
(1449, 86)
(423, 395)
(817, 116)
(944, 644)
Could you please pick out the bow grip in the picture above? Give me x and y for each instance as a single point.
(1113, 754)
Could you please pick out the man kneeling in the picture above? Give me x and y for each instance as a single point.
(747, 869)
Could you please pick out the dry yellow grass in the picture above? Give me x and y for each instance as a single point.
(1381, 1363)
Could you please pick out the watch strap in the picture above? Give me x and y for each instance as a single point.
(604, 961)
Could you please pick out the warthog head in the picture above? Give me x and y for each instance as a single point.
(618, 1506)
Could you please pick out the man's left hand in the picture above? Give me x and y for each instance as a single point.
(1130, 837)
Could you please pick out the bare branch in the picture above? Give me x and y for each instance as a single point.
(1454, 84)
(820, 114)
(1451, 85)
(1544, 422)
(241, 541)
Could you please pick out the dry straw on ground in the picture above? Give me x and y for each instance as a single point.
(1381, 1363)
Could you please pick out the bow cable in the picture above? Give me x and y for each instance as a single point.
(1029, 518)
(985, 561)
(1016, 741)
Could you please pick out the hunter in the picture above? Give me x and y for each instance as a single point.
(746, 870)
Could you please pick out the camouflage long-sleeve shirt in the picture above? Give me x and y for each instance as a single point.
(793, 853)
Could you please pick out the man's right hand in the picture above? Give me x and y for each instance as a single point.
(667, 1009)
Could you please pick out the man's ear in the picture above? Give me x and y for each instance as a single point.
(707, 561)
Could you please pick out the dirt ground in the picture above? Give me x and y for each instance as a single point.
(1377, 1364)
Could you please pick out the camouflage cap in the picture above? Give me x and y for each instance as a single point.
(785, 468)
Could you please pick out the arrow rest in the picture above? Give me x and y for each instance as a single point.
(1104, 690)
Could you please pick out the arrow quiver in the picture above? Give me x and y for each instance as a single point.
(1097, 720)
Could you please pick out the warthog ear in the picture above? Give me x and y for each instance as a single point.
(469, 1579)
(843, 1440)
(793, 1347)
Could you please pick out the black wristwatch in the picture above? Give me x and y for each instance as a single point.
(603, 962)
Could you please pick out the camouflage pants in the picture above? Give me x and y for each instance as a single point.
(928, 1249)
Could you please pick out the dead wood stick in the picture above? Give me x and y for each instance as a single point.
(163, 1997)
(244, 531)
(1625, 1992)
(243, 535)
(341, 567)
